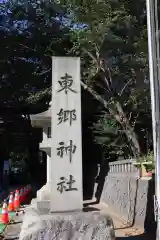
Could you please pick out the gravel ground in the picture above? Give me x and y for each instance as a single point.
(12, 231)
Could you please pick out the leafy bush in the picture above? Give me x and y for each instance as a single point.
(108, 133)
(147, 158)
(18, 161)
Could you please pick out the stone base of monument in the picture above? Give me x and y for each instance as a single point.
(42, 202)
(44, 193)
(66, 226)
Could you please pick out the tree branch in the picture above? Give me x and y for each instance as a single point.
(127, 83)
(101, 65)
(90, 55)
(27, 47)
(134, 123)
(95, 95)
(43, 72)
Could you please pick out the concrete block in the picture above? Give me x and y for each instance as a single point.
(132, 198)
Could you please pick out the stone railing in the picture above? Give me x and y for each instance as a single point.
(124, 167)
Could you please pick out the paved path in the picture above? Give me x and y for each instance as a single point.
(12, 231)
(122, 231)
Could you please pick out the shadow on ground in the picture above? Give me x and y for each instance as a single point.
(143, 236)
(92, 155)
(90, 209)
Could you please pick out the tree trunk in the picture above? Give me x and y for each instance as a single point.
(128, 129)
(117, 112)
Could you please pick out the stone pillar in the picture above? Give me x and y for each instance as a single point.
(49, 168)
(66, 150)
(44, 194)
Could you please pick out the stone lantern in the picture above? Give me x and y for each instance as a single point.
(43, 121)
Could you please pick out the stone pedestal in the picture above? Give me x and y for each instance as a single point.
(71, 225)
(43, 201)
(49, 168)
(44, 194)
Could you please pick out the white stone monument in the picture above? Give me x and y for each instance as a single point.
(66, 146)
(64, 185)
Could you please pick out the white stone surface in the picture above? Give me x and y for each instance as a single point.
(70, 226)
(46, 143)
(44, 193)
(63, 132)
(49, 169)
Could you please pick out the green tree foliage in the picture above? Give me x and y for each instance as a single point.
(109, 135)
(30, 34)
(111, 38)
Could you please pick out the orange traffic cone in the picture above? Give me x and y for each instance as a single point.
(20, 193)
(27, 189)
(24, 194)
(16, 200)
(21, 196)
(11, 203)
(4, 216)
